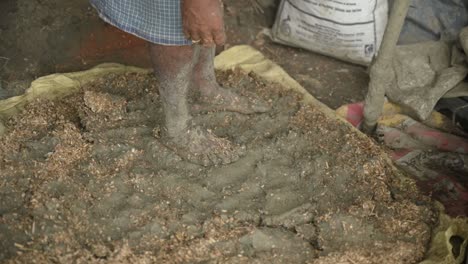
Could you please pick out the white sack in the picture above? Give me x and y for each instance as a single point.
(350, 30)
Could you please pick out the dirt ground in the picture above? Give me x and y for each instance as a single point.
(40, 37)
(89, 179)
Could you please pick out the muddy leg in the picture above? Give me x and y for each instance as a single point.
(173, 67)
(215, 98)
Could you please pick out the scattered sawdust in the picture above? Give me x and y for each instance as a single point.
(85, 180)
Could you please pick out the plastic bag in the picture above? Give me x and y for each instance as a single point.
(350, 30)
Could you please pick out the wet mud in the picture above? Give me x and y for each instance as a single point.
(87, 179)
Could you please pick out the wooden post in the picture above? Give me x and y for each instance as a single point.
(382, 74)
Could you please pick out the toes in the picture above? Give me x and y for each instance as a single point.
(252, 107)
(260, 107)
(204, 148)
(232, 158)
(192, 156)
(227, 158)
(205, 161)
(241, 150)
(198, 108)
(247, 108)
(215, 159)
(226, 100)
(232, 155)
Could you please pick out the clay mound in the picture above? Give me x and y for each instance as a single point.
(87, 179)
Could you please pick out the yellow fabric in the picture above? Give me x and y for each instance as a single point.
(393, 115)
(435, 119)
(57, 86)
(440, 251)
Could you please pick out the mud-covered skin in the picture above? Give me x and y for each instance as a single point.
(203, 147)
(178, 69)
(213, 97)
(173, 68)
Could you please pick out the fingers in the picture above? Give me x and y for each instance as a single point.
(219, 37)
(206, 38)
(200, 37)
(195, 37)
(208, 43)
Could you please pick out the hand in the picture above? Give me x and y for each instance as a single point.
(203, 21)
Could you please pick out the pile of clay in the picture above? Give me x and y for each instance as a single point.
(87, 179)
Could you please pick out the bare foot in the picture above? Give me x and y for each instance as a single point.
(222, 99)
(204, 148)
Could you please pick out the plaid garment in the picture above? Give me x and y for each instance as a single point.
(157, 21)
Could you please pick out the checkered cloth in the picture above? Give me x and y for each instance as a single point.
(157, 21)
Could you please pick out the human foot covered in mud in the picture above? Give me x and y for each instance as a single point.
(216, 98)
(203, 147)
(210, 96)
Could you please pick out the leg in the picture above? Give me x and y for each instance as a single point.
(212, 96)
(173, 67)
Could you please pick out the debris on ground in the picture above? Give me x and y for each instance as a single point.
(434, 153)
